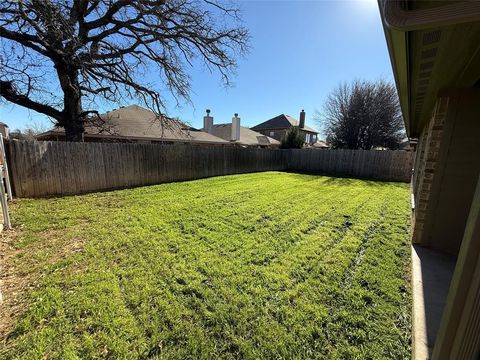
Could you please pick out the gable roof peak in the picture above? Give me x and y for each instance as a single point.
(282, 121)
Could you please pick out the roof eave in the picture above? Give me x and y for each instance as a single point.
(136, 138)
(401, 25)
(398, 53)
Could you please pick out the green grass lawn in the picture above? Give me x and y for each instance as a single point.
(267, 265)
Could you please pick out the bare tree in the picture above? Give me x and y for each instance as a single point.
(29, 132)
(363, 115)
(56, 56)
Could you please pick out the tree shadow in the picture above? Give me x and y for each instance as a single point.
(343, 180)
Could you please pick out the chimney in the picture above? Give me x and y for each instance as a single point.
(208, 122)
(301, 123)
(235, 128)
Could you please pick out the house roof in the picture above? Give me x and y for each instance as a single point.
(247, 136)
(135, 122)
(281, 121)
(320, 144)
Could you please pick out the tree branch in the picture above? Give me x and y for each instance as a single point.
(27, 40)
(9, 93)
(105, 19)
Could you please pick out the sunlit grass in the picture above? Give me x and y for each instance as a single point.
(268, 265)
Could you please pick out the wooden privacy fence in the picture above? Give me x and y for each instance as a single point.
(370, 164)
(44, 168)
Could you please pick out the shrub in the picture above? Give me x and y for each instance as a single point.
(293, 139)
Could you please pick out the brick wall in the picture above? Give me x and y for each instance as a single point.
(277, 134)
(425, 164)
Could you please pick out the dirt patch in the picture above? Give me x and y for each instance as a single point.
(12, 286)
(15, 282)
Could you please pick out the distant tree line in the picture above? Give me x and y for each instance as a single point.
(29, 132)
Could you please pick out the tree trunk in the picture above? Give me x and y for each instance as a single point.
(73, 122)
(74, 131)
(72, 119)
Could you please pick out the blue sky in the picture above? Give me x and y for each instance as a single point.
(300, 51)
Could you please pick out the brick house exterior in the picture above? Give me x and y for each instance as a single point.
(426, 157)
(277, 126)
(447, 166)
(433, 48)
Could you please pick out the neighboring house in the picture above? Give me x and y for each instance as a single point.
(407, 146)
(136, 124)
(320, 144)
(248, 137)
(277, 127)
(435, 53)
(236, 134)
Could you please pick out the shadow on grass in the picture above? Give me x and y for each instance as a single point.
(342, 180)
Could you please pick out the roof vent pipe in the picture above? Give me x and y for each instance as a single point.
(301, 123)
(208, 122)
(235, 128)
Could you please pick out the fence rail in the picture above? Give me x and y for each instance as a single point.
(45, 168)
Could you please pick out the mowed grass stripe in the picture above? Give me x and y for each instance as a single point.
(248, 266)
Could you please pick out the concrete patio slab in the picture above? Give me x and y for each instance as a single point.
(431, 275)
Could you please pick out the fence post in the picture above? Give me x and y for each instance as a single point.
(5, 174)
(3, 200)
